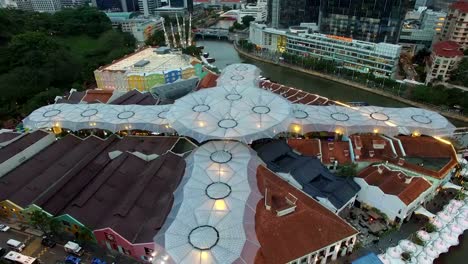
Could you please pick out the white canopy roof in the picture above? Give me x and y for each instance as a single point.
(213, 215)
(239, 110)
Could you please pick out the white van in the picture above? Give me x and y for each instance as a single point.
(16, 245)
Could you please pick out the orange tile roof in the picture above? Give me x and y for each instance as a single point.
(329, 151)
(208, 81)
(428, 147)
(97, 95)
(369, 152)
(394, 182)
(308, 229)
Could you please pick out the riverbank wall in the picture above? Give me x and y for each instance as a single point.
(356, 85)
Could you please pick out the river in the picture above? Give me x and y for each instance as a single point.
(225, 54)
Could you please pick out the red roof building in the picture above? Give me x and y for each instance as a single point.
(391, 191)
(445, 57)
(309, 232)
(327, 152)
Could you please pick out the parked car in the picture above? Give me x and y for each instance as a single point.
(97, 261)
(15, 245)
(72, 260)
(48, 242)
(3, 251)
(4, 228)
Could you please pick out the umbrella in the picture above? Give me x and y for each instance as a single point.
(385, 259)
(394, 252)
(440, 245)
(450, 237)
(431, 252)
(423, 258)
(444, 216)
(462, 221)
(455, 228)
(407, 246)
(438, 223)
(456, 203)
(423, 235)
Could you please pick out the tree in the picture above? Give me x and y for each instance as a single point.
(156, 39)
(46, 223)
(460, 75)
(349, 170)
(192, 51)
(246, 20)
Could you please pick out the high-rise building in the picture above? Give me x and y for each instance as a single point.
(368, 20)
(49, 6)
(286, 13)
(147, 7)
(442, 4)
(24, 5)
(445, 57)
(420, 32)
(456, 24)
(71, 3)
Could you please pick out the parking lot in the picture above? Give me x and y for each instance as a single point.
(57, 254)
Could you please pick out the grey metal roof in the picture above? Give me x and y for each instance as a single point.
(316, 180)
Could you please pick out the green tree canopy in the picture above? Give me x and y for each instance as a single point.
(247, 19)
(156, 39)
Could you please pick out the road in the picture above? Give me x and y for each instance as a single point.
(57, 254)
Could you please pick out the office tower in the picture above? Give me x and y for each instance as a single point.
(147, 7)
(456, 24)
(49, 6)
(421, 32)
(109, 5)
(420, 3)
(368, 20)
(442, 4)
(286, 13)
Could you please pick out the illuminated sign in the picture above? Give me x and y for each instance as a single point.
(340, 38)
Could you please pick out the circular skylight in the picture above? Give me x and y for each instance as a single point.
(261, 109)
(203, 237)
(89, 112)
(338, 116)
(242, 68)
(51, 113)
(300, 114)
(221, 156)
(163, 114)
(233, 97)
(421, 119)
(201, 108)
(237, 77)
(379, 116)
(125, 114)
(227, 123)
(218, 190)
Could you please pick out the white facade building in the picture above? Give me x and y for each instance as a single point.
(445, 57)
(392, 192)
(258, 11)
(456, 24)
(267, 38)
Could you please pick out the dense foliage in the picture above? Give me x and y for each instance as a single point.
(460, 75)
(43, 55)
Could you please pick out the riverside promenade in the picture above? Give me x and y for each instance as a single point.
(448, 114)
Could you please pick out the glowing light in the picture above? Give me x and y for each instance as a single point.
(338, 131)
(342, 104)
(166, 257)
(153, 254)
(204, 255)
(416, 134)
(220, 205)
(259, 126)
(443, 140)
(376, 130)
(390, 123)
(297, 128)
(201, 123)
